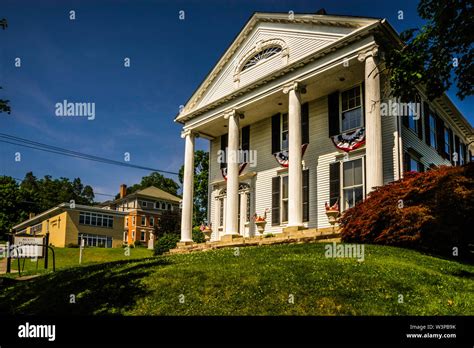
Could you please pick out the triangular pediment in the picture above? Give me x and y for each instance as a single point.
(269, 43)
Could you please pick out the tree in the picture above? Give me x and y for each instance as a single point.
(169, 223)
(154, 179)
(201, 185)
(441, 52)
(4, 107)
(10, 200)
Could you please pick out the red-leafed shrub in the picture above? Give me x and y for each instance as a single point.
(432, 211)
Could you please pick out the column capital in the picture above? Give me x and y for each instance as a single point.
(229, 113)
(187, 132)
(294, 86)
(372, 51)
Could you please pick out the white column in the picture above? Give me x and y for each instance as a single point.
(188, 188)
(373, 121)
(295, 170)
(231, 224)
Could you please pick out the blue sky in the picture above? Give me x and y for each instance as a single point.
(82, 61)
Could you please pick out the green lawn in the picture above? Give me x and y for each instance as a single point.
(69, 257)
(257, 281)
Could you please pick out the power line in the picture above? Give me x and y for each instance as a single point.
(65, 152)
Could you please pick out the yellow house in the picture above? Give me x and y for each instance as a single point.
(68, 223)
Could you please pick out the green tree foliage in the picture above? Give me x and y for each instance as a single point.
(154, 179)
(440, 52)
(169, 223)
(34, 195)
(431, 211)
(201, 174)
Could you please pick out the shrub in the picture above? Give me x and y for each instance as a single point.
(165, 243)
(431, 211)
(72, 245)
(198, 235)
(269, 235)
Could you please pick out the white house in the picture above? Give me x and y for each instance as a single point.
(307, 98)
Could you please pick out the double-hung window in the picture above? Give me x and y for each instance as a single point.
(284, 132)
(353, 183)
(433, 139)
(351, 109)
(284, 199)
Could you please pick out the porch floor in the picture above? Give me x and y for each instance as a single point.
(311, 235)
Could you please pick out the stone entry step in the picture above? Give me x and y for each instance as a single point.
(286, 237)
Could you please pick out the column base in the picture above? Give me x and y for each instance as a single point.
(230, 237)
(293, 228)
(182, 244)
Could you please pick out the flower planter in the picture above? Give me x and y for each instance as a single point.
(332, 216)
(260, 226)
(207, 233)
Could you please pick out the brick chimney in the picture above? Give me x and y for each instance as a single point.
(123, 190)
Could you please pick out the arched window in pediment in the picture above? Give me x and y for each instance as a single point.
(262, 55)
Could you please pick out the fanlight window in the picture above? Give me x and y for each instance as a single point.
(262, 55)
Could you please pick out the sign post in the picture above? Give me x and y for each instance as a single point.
(81, 248)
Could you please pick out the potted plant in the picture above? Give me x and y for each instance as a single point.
(332, 213)
(207, 230)
(260, 221)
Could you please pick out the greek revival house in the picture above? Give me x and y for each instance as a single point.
(306, 99)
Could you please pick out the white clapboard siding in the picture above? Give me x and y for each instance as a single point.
(430, 155)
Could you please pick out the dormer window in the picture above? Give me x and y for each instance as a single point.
(261, 56)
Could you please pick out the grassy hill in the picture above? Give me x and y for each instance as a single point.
(253, 281)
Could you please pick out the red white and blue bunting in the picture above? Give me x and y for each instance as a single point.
(241, 169)
(349, 141)
(282, 157)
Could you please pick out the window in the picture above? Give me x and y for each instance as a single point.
(157, 205)
(284, 132)
(261, 56)
(163, 205)
(152, 221)
(353, 183)
(462, 155)
(413, 164)
(247, 218)
(169, 206)
(144, 204)
(351, 109)
(433, 131)
(221, 212)
(447, 143)
(126, 221)
(412, 122)
(284, 199)
(142, 236)
(36, 228)
(95, 240)
(95, 219)
(143, 220)
(133, 220)
(133, 235)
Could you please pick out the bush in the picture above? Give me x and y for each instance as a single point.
(198, 235)
(165, 243)
(431, 211)
(72, 245)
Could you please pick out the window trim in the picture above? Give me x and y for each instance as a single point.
(361, 106)
(282, 177)
(341, 180)
(287, 131)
